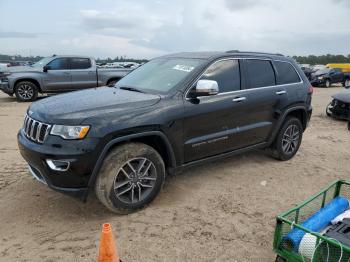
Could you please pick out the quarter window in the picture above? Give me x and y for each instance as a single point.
(58, 64)
(260, 73)
(286, 73)
(225, 73)
(80, 63)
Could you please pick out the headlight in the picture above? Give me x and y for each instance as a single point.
(320, 77)
(5, 73)
(70, 132)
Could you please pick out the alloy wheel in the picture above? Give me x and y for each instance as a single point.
(135, 180)
(290, 139)
(25, 91)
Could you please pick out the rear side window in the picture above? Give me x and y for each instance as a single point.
(80, 63)
(58, 64)
(260, 73)
(286, 73)
(225, 73)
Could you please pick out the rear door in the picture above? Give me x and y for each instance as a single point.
(290, 83)
(338, 75)
(58, 77)
(261, 100)
(83, 73)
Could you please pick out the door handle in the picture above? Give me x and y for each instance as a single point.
(282, 92)
(66, 73)
(239, 99)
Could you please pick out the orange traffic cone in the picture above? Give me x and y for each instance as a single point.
(107, 251)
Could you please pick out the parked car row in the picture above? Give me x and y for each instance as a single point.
(57, 74)
(132, 65)
(328, 76)
(321, 75)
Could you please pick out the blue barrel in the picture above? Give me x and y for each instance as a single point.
(317, 221)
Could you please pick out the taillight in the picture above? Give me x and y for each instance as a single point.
(310, 90)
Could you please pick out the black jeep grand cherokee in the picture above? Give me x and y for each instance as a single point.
(173, 112)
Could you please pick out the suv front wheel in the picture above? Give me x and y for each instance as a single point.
(131, 177)
(26, 91)
(288, 140)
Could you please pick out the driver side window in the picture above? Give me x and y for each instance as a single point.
(225, 73)
(59, 64)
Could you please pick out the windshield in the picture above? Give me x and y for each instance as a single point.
(323, 71)
(160, 75)
(42, 62)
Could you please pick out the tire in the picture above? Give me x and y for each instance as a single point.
(284, 147)
(280, 259)
(347, 83)
(26, 91)
(327, 110)
(120, 192)
(327, 83)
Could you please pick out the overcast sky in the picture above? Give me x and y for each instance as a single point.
(145, 29)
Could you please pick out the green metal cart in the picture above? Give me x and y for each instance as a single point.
(323, 249)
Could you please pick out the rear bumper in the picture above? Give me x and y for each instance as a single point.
(73, 181)
(309, 114)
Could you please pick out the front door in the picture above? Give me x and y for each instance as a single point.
(58, 76)
(210, 122)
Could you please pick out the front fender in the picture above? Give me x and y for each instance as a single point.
(16, 77)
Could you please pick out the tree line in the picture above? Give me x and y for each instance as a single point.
(310, 59)
(322, 59)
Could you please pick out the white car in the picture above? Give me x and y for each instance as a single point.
(3, 66)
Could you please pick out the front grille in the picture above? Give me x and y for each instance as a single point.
(35, 130)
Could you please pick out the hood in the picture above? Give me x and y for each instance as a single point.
(74, 107)
(343, 96)
(21, 69)
(319, 74)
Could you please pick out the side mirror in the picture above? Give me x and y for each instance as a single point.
(46, 68)
(206, 88)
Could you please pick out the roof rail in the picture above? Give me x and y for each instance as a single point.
(249, 52)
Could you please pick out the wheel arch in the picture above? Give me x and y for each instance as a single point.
(299, 112)
(32, 80)
(155, 139)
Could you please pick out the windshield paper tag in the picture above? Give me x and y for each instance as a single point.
(183, 68)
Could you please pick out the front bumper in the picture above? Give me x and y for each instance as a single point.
(5, 87)
(317, 82)
(80, 154)
(338, 110)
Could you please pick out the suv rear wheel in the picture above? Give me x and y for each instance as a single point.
(131, 177)
(288, 139)
(26, 91)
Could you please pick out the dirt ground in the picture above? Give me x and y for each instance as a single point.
(223, 211)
